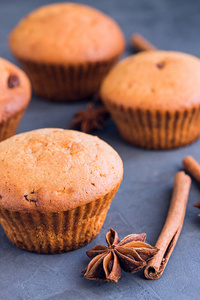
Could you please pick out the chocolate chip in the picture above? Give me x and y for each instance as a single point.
(160, 65)
(13, 81)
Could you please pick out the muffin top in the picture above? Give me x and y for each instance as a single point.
(66, 33)
(15, 89)
(52, 170)
(155, 80)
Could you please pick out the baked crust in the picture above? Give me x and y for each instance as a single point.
(12, 100)
(53, 170)
(66, 33)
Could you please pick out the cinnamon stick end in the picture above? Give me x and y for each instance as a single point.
(151, 273)
(187, 160)
(139, 43)
(183, 177)
(197, 204)
(192, 167)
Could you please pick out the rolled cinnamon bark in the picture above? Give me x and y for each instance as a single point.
(192, 166)
(198, 206)
(139, 43)
(172, 227)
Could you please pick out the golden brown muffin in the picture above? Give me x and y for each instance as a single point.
(154, 98)
(15, 93)
(67, 49)
(55, 188)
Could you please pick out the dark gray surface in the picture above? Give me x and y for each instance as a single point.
(142, 201)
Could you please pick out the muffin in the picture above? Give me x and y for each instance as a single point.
(154, 99)
(66, 49)
(15, 93)
(55, 188)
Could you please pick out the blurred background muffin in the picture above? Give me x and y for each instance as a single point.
(15, 94)
(55, 188)
(154, 98)
(66, 49)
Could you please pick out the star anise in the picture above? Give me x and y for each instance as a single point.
(197, 205)
(129, 254)
(90, 119)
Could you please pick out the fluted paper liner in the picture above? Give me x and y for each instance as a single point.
(9, 126)
(56, 232)
(66, 82)
(156, 130)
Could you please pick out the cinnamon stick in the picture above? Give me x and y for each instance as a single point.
(192, 166)
(198, 206)
(172, 227)
(139, 43)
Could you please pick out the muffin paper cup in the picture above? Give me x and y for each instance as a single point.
(9, 126)
(56, 232)
(66, 82)
(156, 130)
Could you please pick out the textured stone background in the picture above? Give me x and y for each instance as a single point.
(142, 201)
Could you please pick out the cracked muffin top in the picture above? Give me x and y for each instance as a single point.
(15, 89)
(66, 33)
(56, 170)
(154, 80)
